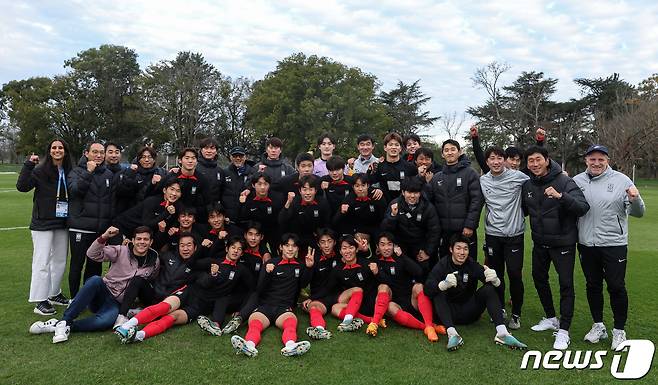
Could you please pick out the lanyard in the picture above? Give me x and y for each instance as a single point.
(60, 180)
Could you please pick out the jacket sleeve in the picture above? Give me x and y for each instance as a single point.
(431, 287)
(476, 201)
(26, 180)
(100, 253)
(479, 155)
(264, 280)
(78, 182)
(390, 222)
(126, 183)
(573, 199)
(432, 230)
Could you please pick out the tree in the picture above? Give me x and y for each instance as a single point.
(306, 96)
(451, 124)
(230, 125)
(404, 106)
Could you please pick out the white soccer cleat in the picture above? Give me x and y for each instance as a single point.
(318, 333)
(41, 327)
(618, 336)
(242, 347)
(296, 349)
(596, 333)
(62, 331)
(562, 340)
(546, 324)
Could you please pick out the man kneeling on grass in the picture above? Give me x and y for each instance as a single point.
(103, 296)
(452, 286)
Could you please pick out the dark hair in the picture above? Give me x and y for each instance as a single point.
(409, 137)
(274, 142)
(311, 179)
(186, 234)
(335, 163)
(413, 184)
(253, 225)
(349, 239)
(303, 157)
(218, 209)
(66, 162)
(289, 237)
(453, 142)
(494, 150)
(88, 147)
(513, 152)
(364, 138)
(184, 151)
(361, 177)
(143, 229)
(259, 175)
(325, 231)
(425, 152)
(324, 136)
(536, 150)
(170, 181)
(386, 234)
(392, 136)
(150, 150)
(208, 142)
(459, 238)
(233, 240)
(108, 144)
(189, 210)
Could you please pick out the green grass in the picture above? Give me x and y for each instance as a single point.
(185, 355)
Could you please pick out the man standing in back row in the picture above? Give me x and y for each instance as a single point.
(603, 239)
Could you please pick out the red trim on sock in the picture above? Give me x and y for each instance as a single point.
(152, 312)
(365, 318)
(316, 317)
(254, 330)
(425, 309)
(159, 326)
(289, 330)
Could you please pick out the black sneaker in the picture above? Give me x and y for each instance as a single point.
(44, 308)
(60, 300)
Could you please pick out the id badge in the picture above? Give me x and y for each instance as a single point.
(62, 209)
(393, 185)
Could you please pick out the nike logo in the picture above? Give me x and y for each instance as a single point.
(622, 260)
(279, 273)
(564, 252)
(324, 268)
(346, 278)
(253, 209)
(515, 250)
(384, 173)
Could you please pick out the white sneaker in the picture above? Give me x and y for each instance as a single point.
(121, 319)
(562, 340)
(41, 327)
(62, 331)
(546, 324)
(296, 349)
(618, 336)
(596, 333)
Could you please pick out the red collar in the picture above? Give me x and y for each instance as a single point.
(410, 157)
(263, 199)
(164, 203)
(183, 176)
(253, 252)
(363, 199)
(307, 203)
(325, 257)
(341, 182)
(214, 231)
(229, 262)
(288, 262)
(386, 259)
(352, 266)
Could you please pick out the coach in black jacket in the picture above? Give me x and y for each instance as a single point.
(554, 202)
(455, 192)
(138, 181)
(90, 210)
(209, 168)
(236, 179)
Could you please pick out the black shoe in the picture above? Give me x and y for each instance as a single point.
(59, 299)
(44, 308)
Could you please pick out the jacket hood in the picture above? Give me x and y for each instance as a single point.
(209, 163)
(151, 256)
(554, 169)
(272, 163)
(462, 162)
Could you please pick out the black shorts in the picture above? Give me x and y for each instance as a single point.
(328, 301)
(195, 307)
(368, 303)
(272, 312)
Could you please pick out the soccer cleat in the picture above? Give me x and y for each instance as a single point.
(546, 324)
(431, 334)
(121, 319)
(41, 327)
(353, 325)
(382, 323)
(62, 331)
(133, 312)
(562, 340)
(241, 347)
(371, 330)
(44, 308)
(232, 325)
(126, 336)
(209, 326)
(618, 336)
(59, 299)
(440, 329)
(318, 333)
(511, 342)
(514, 322)
(454, 342)
(295, 349)
(597, 333)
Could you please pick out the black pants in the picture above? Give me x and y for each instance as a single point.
(609, 263)
(463, 313)
(80, 242)
(141, 288)
(247, 304)
(444, 247)
(563, 259)
(507, 251)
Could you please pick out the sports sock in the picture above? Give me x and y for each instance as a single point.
(316, 317)
(159, 326)
(501, 330)
(289, 330)
(425, 309)
(381, 305)
(254, 330)
(140, 335)
(130, 323)
(406, 319)
(365, 318)
(451, 331)
(354, 303)
(152, 312)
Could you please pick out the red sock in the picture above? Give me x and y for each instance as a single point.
(365, 318)
(425, 308)
(289, 330)
(354, 303)
(381, 305)
(152, 312)
(405, 319)
(316, 317)
(159, 326)
(254, 330)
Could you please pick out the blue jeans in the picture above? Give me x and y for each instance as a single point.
(95, 296)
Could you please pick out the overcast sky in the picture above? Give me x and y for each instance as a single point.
(441, 43)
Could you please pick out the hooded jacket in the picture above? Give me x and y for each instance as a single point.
(90, 197)
(133, 186)
(43, 179)
(275, 168)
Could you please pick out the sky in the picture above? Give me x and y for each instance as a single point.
(442, 43)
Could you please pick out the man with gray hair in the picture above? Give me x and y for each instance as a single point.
(603, 239)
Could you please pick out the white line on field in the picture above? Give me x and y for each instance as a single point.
(7, 172)
(13, 228)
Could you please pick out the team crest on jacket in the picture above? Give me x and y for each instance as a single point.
(297, 273)
(359, 276)
(611, 187)
(193, 190)
(439, 182)
(530, 194)
(231, 275)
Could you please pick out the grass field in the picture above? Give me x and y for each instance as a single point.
(184, 355)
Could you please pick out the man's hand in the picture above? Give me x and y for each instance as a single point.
(540, 135)
(448, 282)
(34, 158)
(162, 226)
(261, 167)
(467, 232)
(491, 276)
(133, 167)
(373, 267)
(377, 194)
(91, 166)
(243, 196)
(552, 193)
(394, 209)
(214, 269)
(397, 250)
(206, 243)
(344, 207)
(310, 257)
(324, 185)
(156, 178)
(269, 267)
(422, 256)
(110, 232)
(172, 231)
(632, 193)
(474, 131)
(171, 209)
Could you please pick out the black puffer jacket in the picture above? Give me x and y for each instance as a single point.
(43, 179)
(234, 184)
(455, 192)
(418, 227)
(276, 169)
(214, 175)
(553, 221)
(174, 273)
(133, 186)
(90, 202)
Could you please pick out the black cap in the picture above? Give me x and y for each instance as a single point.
(595, 148)
(238, 151)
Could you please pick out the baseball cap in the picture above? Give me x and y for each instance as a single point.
(238, 151)
(596, 147)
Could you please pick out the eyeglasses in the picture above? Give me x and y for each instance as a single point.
(146, 157)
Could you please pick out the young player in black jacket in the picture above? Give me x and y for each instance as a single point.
(258, 206)
(194, 188)
(393, 170)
